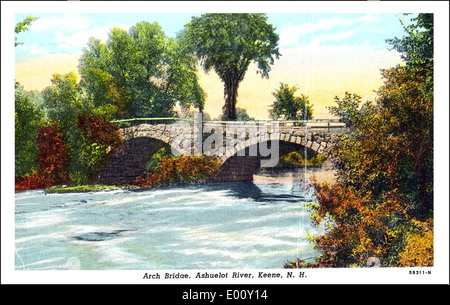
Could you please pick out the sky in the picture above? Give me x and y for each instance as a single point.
(324, 55)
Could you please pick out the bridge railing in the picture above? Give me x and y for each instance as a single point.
(325, 124)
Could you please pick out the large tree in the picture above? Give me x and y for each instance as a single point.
(228, 43)
(141, 72)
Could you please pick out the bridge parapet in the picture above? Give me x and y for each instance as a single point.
(316, 139)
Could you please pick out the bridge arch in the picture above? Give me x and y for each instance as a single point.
(130, 160)
(139, 144)
(242, 165)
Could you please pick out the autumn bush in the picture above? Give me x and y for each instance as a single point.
(53, 161)
(361, 228)
(94, 139)
(180, 170)
(382, 204)
(99, 129)
(75, 161)
(37, 180)
(419, 249)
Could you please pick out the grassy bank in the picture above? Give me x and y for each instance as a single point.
(86, 188)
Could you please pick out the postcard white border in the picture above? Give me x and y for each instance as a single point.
(439, 273)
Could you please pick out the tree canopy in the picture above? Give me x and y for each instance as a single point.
(228, 43)
(289, 106)
(347, 108)
(141, 72)
(417, 48)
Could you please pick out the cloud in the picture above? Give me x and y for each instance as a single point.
(369, 18)
(36, 50)
(293, 34)
(68, 32)
(317, 40)
(64, 22)
(79, 40)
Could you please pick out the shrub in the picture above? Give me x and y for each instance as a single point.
(91, 143)
(37, 180)
(27, 121)
(99, 129)
(361, 228)
(180, 170)
(53, 161)
(288, 106)
(53, 154)
(418, 250)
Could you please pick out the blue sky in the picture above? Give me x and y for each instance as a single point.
(69, 33)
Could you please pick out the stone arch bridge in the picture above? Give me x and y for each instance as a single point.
(250, 146)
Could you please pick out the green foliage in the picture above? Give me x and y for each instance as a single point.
(85, 158)
(63, 104)
(391, 144)
(417, 48)
(154, 163)
(27, 122)
(298, 159)
(140, 73)
(347, 109)
(181, 75)
(241, 115)
(22, 26)
(62, 100)
(228, 43)
(88, 133)
(288, 106)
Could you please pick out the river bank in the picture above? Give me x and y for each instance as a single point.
(323, 173)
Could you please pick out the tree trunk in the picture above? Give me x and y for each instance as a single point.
(231, 92)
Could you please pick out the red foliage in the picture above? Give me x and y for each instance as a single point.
(99, 129)
(53, 154)
(53, 161)
(183, 169)
(38, 180)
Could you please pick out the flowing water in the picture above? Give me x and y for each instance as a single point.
(224, 225)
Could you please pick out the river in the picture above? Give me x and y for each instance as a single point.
(240, 225)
